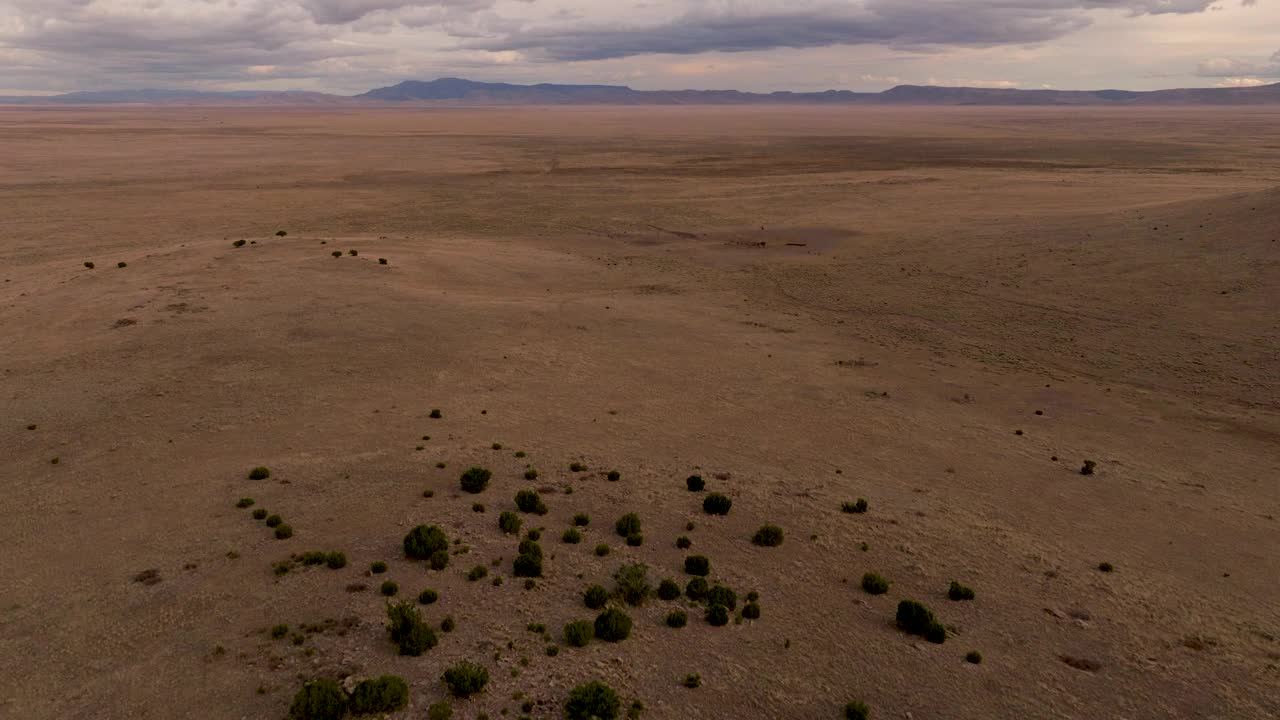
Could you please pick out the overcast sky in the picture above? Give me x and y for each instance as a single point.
(348, 46)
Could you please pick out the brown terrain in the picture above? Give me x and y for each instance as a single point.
(923, 307)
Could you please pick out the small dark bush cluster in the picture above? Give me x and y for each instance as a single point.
(377, 567)
(122, 265)
(632, 583)
(695, 483)
(717, 615)
(751, 611)
(1088, 467)
(595, 597)
(274, 520)
(683, 542)
(628, 524)
(259, 473)
(259, 514)
(529, 502)
(448, 623)
(475, 479)
(592, 701)
(281, 233)
(284, 532)
(716, 504)
(477, 507)
(382, 261)
(577, 467)
(428, 597)
(353, 253)
(466, 679)
(579, 633)
(697, 589)
(439, 560)
(721, 595)
(528, 562)
(635, 540)
(1106, 567)
(973, 656)
(425, 540)
(692, 680)
(614, 476)
(602, 549)
(89, 265)
(478, 572)
(436, 414)
(381, 695)
(239, 243)
(856, 711)
(668, 589)
(874, 584)
(677, 619)
(858, 507)
(319, 700)
(244, 502)
(530, 474)
(698, 565)
(916, 619)
(279, 631)
(509, 522)
(336, 253)
(407, 629)
(768, 536)
(959, 592)
(571, 536)
(613, 625)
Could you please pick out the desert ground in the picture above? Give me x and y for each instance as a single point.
(945, 311)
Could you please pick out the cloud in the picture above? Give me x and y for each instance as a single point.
(339, 12)
(1238, 68)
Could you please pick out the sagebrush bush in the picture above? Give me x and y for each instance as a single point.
(614, 476)
(477, 507)
(281, 233)
(699, 565)
(602, 549)
(284, 532)
(534, 534)
(435, 414)
(385, 694)
(407, 629)
(336, 253)
(1106, 567)
(428, 596)
(509, 522)
(530, 474)
(1088, 467)
(677, 619)
(592, 701)
(448, 623)
(475, 479)
(274, 520)
(527, 565)
(259, 473)
(382, 261)
(577, 467)
(751, 611)
(440, 711)
(683, 542)
(856, 710)
(697, 589)
(377, 567)
(465, 679)
(632, 583)
(874, 584)
(716, 504)
(628, 524)
(424, 540)
(695, 483)
(768, 536)
(635, 540)
(973, 656)
(477, 573)
(259, 513)
(595, 597)
(668, 589)
(858, 507)
(353, 253)
(959, 592)
(122, 264)
(571, 536)
(717, 615)
(692, 680)
(244, 502)
(319, 700)
(312, 557)
(579, 633)
(336, 560)
(279, 631)
(530, 502)
(239, 243)
(89, 265)
(613, 625)
(721, 595)
(916, 619)
(439, 560)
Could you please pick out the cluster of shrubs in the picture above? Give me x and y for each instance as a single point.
(334, 559)
(428, 542)
(528, 562)
(528, 501)
(959, 592)
(475, 479)
(411, 634)
(465, 679)
(916, 619)
(509, 522)
(632, 583)
(325, 700)
(282, 530)
(592, 701)
(628, 526)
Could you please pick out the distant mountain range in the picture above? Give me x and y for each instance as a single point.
(456, 91)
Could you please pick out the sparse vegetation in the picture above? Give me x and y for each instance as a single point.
(377, 567)
(628, 524)
(874, 584)
(717, 615)
(478, 572)
(244, 502)
(716, 504)
(683, 542)
(440, 711)
(592, 701)
(259, 514)
(571, 536)
(577, 467)
(423, 541)
(721, 595)
(916, 619)
(466, 679)
(319, 700)
(439, 560)
(668, 589)
(279, 631)
(284, 532)
(122, 265)
(959, 592)
(595, 597)
(1106, 567)
(335, 560)
(974, 657)
(692, 680)
(239, 243)
(614, 476)
(534, 534)
(448, 623)
(582, 519)
(635, 540)
(528, 562)
(1088, 467)
(259, 473)
(695, 483)
(751, 611)
(274, 520)
(475, 479)
(613, 625)
(353, 253)
(428, 597)
(477, 507)
(529, 501)
(407, 629)
(578, 633)
(858, 507)
(602, 549)
(530, 474)
(385, 694)
(336, 253)
(768, 536)
(677, 619)
(382, 261)
(632, 583)
(89, 265)
(697, 589)
(698, 565)
(856, 711)
(509, 522)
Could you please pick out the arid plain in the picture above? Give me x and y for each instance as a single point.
(806, 306)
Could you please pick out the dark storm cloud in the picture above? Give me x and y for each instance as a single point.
(900, 23)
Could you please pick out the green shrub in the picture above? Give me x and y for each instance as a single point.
(668, 589)
(535, 534)
(613, 625)
(692, 680)
(353, 253)
(716, 504)
(578, 633)
(582, 519)
(635, 540)
(698, 565)
(465, 679)
(677, 619)
(407, 629)
(959, 592)
(274, 520)
(628, 524)
(592, 701)
(428, 596)
(571, 536)
(689, 526)
(259, 473)
(595, 597)
(717, 615)
(874, 584)
(381, 695)
(767, 536)
(475, 479)
(122, 264)
(440, 711)
(335, 560)
(856, 711)
(319, 700)
(695, 483)
(697, 589)
(936, 634)
(313, 557)
(577, 467)
(858, 507)
(916, 619)
(244, 502)
(238, 243)
(602, 549)
(553, 650)
(477, 507)
(336, 253)
(528, 501)
(436, 414)
(509, 522)
(527, 565)
(424, 540)
(633, 583)
(259, 513)
(683, 542)
(377, 567)
(442, 465)
(973, 656)
(614, 476)
(284, 532)
(530, 474)
(279, 631)
(428, 493)
(281, 233)
(439, 560)
(448, 623)
(751, 611)
(1088, 467)
(721, 595)
(1106, 567)
(390, 588)
(89, 264)
(477, 573)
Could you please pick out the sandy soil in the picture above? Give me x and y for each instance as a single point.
(804, 305)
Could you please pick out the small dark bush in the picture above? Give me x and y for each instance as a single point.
(716, 504)
(668, 589)
(319, 700)
(692, 680)
(390, 588)
(856, 711)
(442, 465)
(428, 596)
(753, 596)
(595, 597)
(1088, 467)
(424, 540)
(528, 501)
(1106, 567)
(677, 619)
(592, 701)
(382, 261)
(274, 520)
(628, 524)
(577, 467)
(281, 233)
(465, 679)
(448, 623)
(382, 695)
(244, 502)
(683, 542)
(436, 414)
(440, 711)
(717, 615)
(89, 265)
(259, 473)
(527, 565)
(475, 479)
(284, 532)
(377, 567)
(768, 536)
(477, 573)
(936, 634)
(697, 589)
(721, 595)
(751, 611)
(477, 507)
(239, 243)
(613, 625)
(407, 629)
(534, 534)
(689, 526)
(602, 549)
(698, 565)
(874, 584)
(353, 253)
(635, 540)
(633, 583)
(336, 253)
(916, 619)
(122, 265)
(578, 633)
(553, 650)
(259, 513)
(614, 476)
(571, 536)
(973, 656)
(695, 483)
(509, 522)
(858, 507)
(959, 592)
(530, 474)
(439, 560)
(279, 631)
